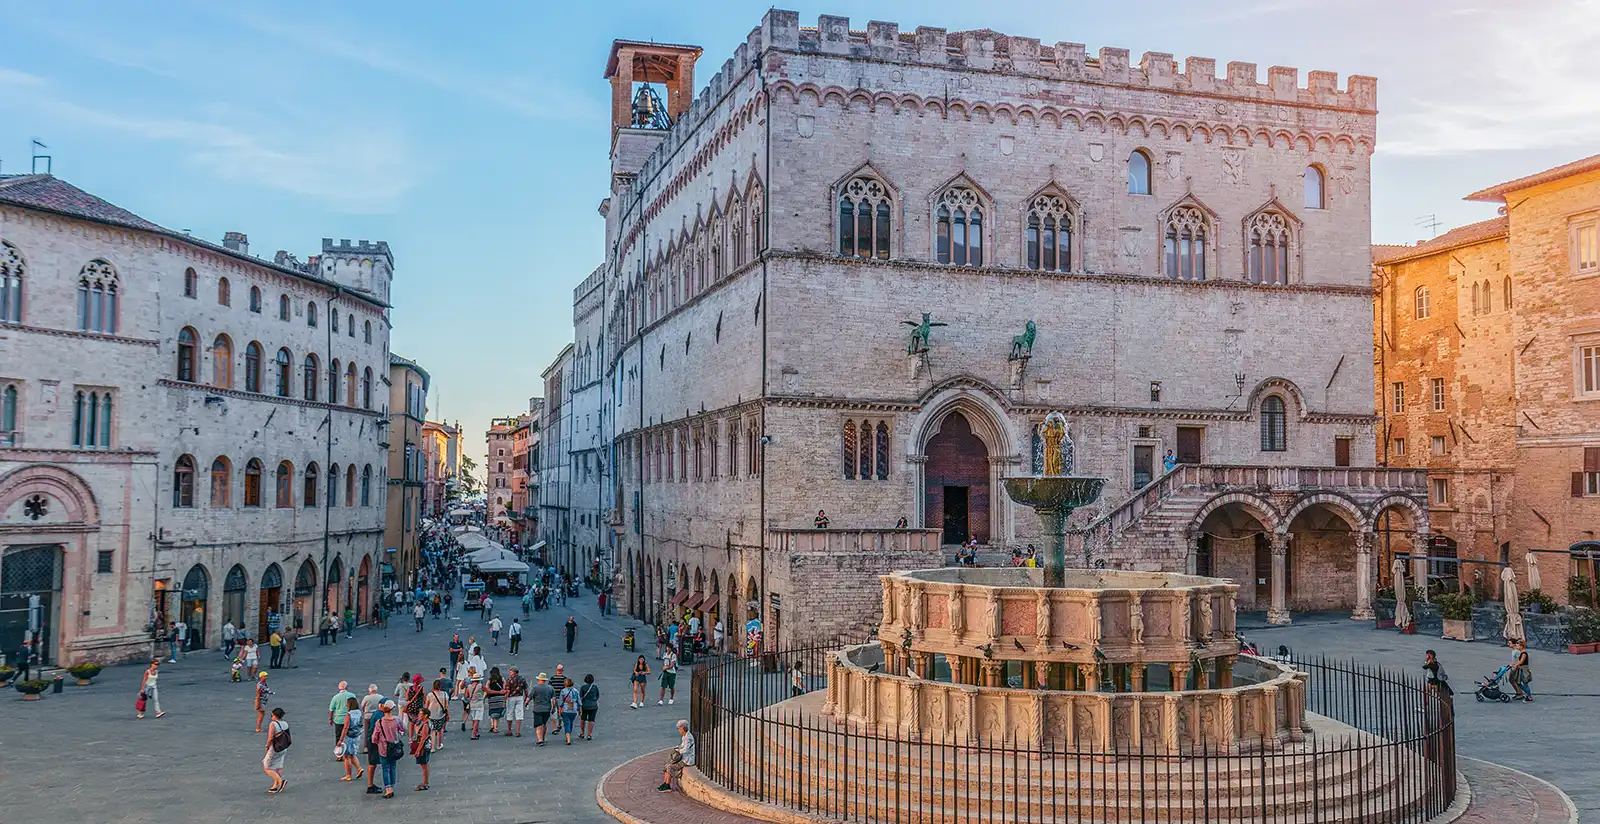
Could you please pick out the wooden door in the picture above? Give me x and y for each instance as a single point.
(1341, 451)
(956, 530)
(1190, 445)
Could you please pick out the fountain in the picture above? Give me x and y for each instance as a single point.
(1053, 495)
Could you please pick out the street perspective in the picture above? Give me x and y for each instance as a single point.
(887, 413)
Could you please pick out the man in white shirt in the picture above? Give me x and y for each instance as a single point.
(228, 634)
(183, 637)
(669, 677)
(516, 634)
(494, 630)
(716, 636)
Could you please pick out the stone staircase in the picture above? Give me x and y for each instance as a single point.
(811, 766)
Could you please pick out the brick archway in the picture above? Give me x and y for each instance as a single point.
(957, 493)
(961, 440)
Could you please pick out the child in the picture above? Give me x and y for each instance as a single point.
(236, 668)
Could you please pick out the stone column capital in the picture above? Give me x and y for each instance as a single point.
(1280, 542)
(1365, 541)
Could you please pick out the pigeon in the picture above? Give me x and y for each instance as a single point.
(1018, 644)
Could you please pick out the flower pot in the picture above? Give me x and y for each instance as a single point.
(1458, 629)
(1385, 623)
(1582, 649)
(30, 696)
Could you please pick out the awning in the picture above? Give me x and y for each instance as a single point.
(536, 547)
(503, 566)
(701, 603)
(683, 595)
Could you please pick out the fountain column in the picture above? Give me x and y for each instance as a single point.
(1053, 520)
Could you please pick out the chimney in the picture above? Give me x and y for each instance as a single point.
(237, 241)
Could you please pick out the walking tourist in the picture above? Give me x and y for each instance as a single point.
(640, 682)
(277, 745)
(543, 698)
(797, 681)
(475, 699)
(289, 641)
(1521, 670)
(388, 739)
(572, 630)
(149, 694)
(262, 691)
(516, 699)
(338, 707)
(569, 701)
(661, 639)
(325, 633)
(229, 632)
(588, 707)
(422, 746)
(275, 640)
(717, 635)
(438, 707)
(455, 651)
(681, 756)
(350, 739)
(494, 631)
(488, 607)
(181, 634)
(669, 678)
(516, 635)
(252, 658)
(400, 688)
(495, 699)
(418, 614)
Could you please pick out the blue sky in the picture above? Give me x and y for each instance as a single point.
(473, 137)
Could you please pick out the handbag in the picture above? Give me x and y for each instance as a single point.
(140, 703)
(281, 740)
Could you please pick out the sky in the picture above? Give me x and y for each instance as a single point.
(473, 137)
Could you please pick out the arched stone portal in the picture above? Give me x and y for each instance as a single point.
(957, 493)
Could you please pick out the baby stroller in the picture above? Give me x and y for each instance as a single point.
(1489, 688)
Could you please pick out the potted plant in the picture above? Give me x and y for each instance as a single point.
(1580, 591)
(6, 674)
(1538, 602)
(1583, 631)
(30, 689)
(1455, 612)
(84, 673)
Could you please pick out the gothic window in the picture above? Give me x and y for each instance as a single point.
(1421, 308)
(350, 385)
(758, 241)
(309, 499)
(283, 307)
(252, 483)
(333, 486)
(1505, 293)
(312, 375)
(850, 450)
(1488, 300)
(252, 367)
(1268, 237)
(12, 268)
(350, 485)
(183, 483)
(97, 298)
(1313, 185)
(255, 299)
(91, 420)
(1138, 173)
(188, 355)
(8, 416)
(718, 263)
(733, 447)
(881, 450)
(681, 439)
(366, 388)
(224, 292)
(1476, 299)
(285, 485)
(1187, 236)
(367, 331)
(283, 367)
(221, 483)
(699, 455)
(333, 320)
(311, 314)
(191, 284)
(333, 381)
(865, 450)
(222, 362)
(1048, 234)
(736, 233)
(864, 219)
(752, 436)
(958, 227)
(715, 453)
(1274, 425)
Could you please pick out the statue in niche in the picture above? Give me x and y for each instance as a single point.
(1041, 617)
(918, 618)
(888, 602)
(1136, 621)
(1022, 345)
(1205, 617)
(921, 332)
(992, 615)
(956, 612)
(905, 604)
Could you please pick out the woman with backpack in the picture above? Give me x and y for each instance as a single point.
(389, 739)
(278, 742)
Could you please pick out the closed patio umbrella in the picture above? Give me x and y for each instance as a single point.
(1508, 594)
(1402, 613)
(1534, 581)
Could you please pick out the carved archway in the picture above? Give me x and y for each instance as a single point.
(975, 410)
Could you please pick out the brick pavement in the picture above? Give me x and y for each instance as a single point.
(629, 793)
(1501, 795)
(82, 756)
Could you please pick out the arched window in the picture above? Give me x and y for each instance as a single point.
(1274, 425)
(1138, 173)
(12, 268)
(865, 206)
(1505, 293)
(283, 367)
(183, 482)
(736, 233)
(91, 420)
(311, 377)
(366, 331)
(750, 441)
(1048, 234)
(882, 450)
(719, 265)
(850, 450)
(1421, 308)
(350, 385)
(350, 328)
(97, 298)
(958, 227)
(255, 299)
(1477, 301)
(224, 292)
(366, 388)
(188, 355)
(285, 486)
(252, 367)
(1313, 185)
(283, 307)
(8, 416)
(333, 320)
(311, 313)
(221, 483)
(252, 483)
(333, 486)
(222, 362)
(366, 485)
(333, 381)
(350, 485)
(1488, 297)
(758, 241)
(191, 284)
(1184, 250)
(312, 477)
(1268, 237)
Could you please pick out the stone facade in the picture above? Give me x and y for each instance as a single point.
(589, 448)
(555, 462)
(760, 370)
(408, 412)
(171, 505)
(497, 466)
(1512, 442)
(441, 447)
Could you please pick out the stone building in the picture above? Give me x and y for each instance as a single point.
(441, 449)
(1487, 353)
(522, 436)
(497, 469)
(555, 478)
(165, 421)
(587, 443)
(970, 230)
(407, 413)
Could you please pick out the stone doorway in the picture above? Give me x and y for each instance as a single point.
(956, 478)
(956, 509)
(25, 573)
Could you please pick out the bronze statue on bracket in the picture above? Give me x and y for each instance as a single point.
(1022, 345)
(921, 333)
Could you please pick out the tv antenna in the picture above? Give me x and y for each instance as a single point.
(38, 157)
(1431, 223)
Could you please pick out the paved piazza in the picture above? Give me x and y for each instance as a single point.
(82, 755)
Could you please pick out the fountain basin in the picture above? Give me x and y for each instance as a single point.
(1054, 492)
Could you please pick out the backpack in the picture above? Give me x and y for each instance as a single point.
(281, 740)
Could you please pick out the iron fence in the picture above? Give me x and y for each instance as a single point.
(1389, 759)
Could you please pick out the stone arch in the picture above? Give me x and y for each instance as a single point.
(1416, 511)
(1283, 386)
(981, 403)
(1261, 509)
(988, 516)
(1346, 508)
(57, 483)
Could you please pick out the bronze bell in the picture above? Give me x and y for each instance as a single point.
(644, 107)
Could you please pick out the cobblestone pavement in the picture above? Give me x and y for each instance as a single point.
(1501, 795)
(81, 756)
(1550, 738)
(630, 793)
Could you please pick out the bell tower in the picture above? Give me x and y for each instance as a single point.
(647, 65)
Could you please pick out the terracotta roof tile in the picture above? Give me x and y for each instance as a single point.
(1460, 236)
(53, 194)
(1497, 194)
